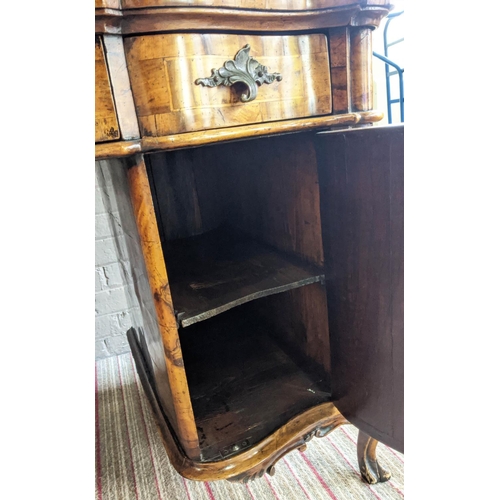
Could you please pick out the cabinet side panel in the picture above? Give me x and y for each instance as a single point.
(128, 247)
(187, 191)
(138, 226)
(361, 182)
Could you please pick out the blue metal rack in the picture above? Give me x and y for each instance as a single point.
(388, 73)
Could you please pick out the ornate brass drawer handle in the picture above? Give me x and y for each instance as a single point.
(243, 69)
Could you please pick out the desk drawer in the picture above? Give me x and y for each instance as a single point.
(163, 70)
(106, 122)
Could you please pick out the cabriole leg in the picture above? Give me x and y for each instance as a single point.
(369, 467)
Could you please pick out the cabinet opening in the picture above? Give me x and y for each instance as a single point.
(244, 382)
(241, 234)
(231, 214)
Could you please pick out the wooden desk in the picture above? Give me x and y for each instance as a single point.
(269, 271)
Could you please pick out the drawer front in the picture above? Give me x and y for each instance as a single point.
(106, 122)
(163, 70)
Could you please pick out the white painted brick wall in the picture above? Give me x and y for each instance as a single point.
(116, 303)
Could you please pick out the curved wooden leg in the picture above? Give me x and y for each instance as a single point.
(369, 467)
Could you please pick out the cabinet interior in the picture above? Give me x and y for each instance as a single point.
(241, 235)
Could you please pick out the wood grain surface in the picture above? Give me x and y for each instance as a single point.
(190, 139)
(361, 69)
(163, 69)
(243, 4)
(268, 189)
(119, 149)
(108, 21)
(222, 269)
(183, 419)
(340, 66)
(189, 191)
(124, 102)
(303, 330)
(199, 19)
(361, 184)
(108, 4)
(106, 122)
(274, 195)
(179, 141)
(351, 69)
(130, 248)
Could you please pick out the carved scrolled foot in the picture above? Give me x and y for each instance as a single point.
(320, 429)
(369, 467)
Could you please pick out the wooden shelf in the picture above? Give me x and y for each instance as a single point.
(243, 386)
(216, 271)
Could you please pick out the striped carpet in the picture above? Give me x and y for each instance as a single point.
(131, 462)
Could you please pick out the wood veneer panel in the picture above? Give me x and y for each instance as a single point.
(245, 4)
(163, 69)
(108, 4)
(202, 18)
(183, 141)
(339, 41)
(180, 407)
(205, 18)
(351, 69)
(361, 69)
(361, 182)
(119, 149)
(125, 110)
(188, 139)
(106, 122)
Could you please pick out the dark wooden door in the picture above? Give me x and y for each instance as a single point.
(361, 190)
